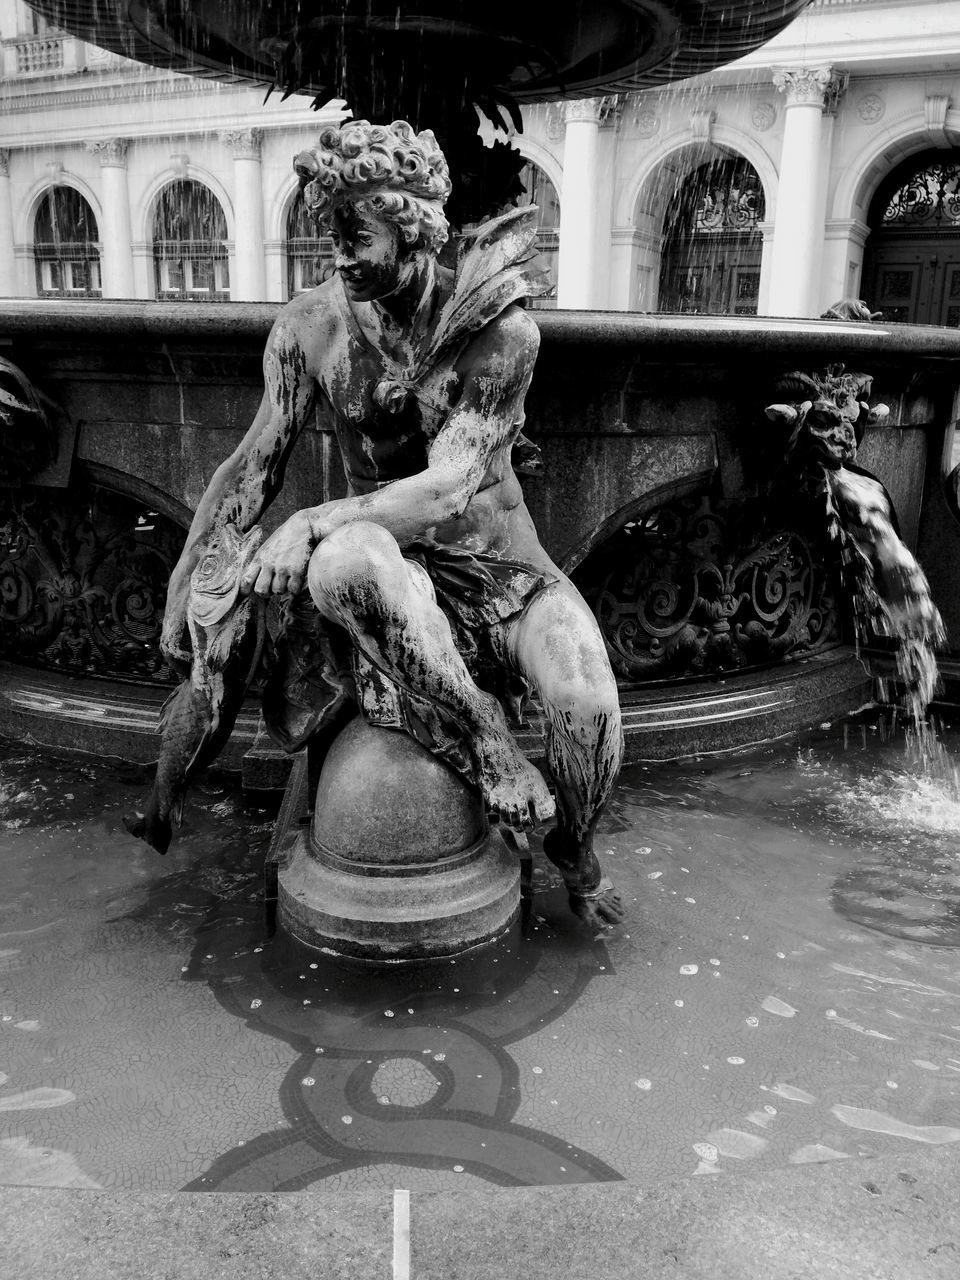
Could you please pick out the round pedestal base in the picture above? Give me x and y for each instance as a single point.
(399, 865)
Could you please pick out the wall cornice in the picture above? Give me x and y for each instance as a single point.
(112, 91)
(106, 88)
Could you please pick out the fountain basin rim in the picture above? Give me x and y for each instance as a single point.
(775, 336)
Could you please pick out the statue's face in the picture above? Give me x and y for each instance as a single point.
(368, 254)
(828, 435)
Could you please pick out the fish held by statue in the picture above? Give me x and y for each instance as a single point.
(227, 633)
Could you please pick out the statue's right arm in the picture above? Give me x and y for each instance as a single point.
(247, 481)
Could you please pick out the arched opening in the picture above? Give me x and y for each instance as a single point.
(189, 244)
(309, 255)
(539, 190)
(911, 269)
(85, 573)
(712, 242)
(65, 247)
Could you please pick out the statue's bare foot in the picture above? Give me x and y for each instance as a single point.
(515, 791)
(593, 896)
(601, 909)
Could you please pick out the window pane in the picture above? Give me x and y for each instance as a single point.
(539, 190)
(65, 248)
(190, 231)
(712, 243)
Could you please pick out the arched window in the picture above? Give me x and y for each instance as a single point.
(539, 190)
(189, 244)
(911, 268)
(712, 244)
(65, 246)
(309, 254)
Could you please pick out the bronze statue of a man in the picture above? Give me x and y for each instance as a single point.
(424, 596)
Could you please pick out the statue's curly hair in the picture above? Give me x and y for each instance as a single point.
(397, 174)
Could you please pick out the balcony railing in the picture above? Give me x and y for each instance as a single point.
(40, 53)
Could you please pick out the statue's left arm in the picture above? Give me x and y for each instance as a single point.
(496, 369)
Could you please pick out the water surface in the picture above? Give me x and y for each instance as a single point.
(786, 990)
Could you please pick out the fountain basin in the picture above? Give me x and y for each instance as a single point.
(623, 45)
(632, 413)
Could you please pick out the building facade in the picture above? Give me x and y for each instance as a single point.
(824, 165)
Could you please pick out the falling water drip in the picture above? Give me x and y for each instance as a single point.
(892, 597)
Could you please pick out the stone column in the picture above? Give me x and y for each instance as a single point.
(804, 165)
(844, 242)
(577, 266)
(634, 274)
(766, 230)
(116, 253)
(8, 263)
(249, 281)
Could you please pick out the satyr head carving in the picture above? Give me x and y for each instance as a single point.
(825, 416)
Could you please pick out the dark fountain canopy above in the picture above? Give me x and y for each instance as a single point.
(392, 56)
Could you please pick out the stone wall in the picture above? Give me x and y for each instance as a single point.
(630, 412)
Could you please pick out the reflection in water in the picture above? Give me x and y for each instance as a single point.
(771, 999)
(878, 1122)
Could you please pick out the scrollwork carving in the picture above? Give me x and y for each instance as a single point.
(83, 582)
(929, 199)
(696, 587)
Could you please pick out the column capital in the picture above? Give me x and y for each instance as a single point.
(582, 111)
(244, 143)
(811, 86)
(847, 229)
(4, 162)
(112, 152)
(597, 111)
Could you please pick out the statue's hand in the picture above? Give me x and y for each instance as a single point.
(173, 636)
(281, 563)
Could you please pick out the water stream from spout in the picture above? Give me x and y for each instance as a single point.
(893, 599)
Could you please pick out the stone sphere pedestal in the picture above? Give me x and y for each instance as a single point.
(399, 864)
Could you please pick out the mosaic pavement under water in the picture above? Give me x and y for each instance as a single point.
(783, 992)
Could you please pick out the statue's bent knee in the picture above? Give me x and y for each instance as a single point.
(588, 703)
(351, 563)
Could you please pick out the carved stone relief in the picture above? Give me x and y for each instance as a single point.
(646, 122)
(699, 586)
(870, 108)
(763, 116)
(83, 582)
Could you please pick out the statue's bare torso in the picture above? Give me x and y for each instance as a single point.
(379, 447)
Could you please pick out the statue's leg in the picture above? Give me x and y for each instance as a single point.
(557, 646)
(359, 579)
